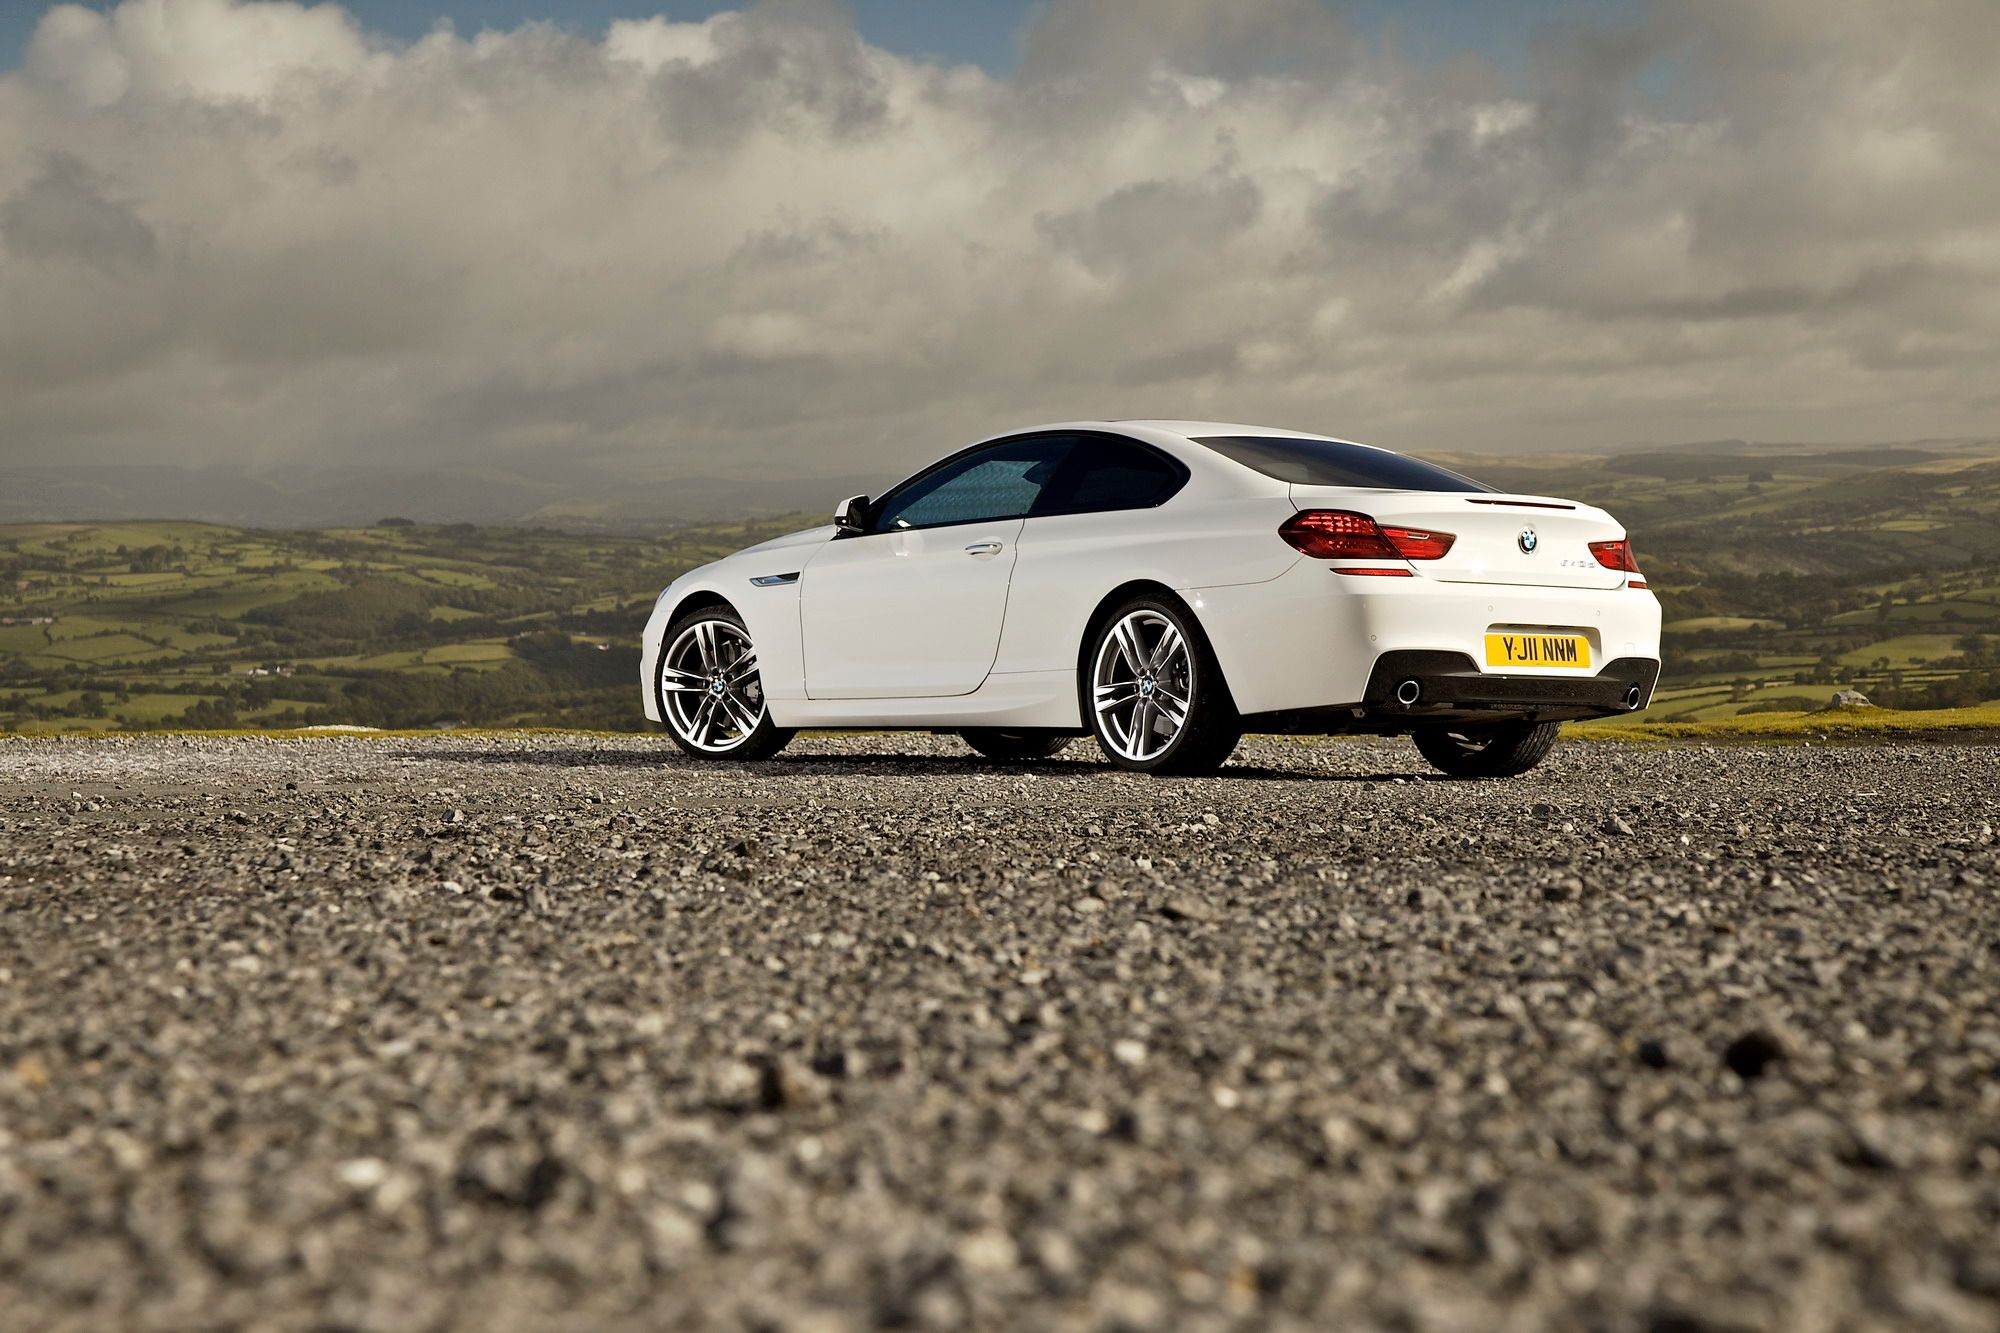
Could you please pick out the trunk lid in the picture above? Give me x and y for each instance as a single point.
(1523, 540)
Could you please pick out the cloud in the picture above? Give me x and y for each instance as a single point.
(204, 49)
(62, 214)
(250, 232)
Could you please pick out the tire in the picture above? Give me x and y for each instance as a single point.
(711, 705)
(1505, 751)
(1015, 746)
(1178, 673)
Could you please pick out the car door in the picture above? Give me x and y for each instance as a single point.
(913, 607)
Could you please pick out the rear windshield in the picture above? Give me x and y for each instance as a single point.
(1331, 463)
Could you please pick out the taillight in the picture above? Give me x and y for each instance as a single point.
(1415, 544)
(1615, 555)
(1336, 534)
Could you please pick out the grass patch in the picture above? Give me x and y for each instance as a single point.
(1694, 623)
(1903, 651)
(101, 648)
(474, 653)
(453, 578)
(1830, 724)
(149, 707)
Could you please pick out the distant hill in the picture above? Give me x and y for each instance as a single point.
(1785, 574)
(153, 624)
(574, 495)
(1972, 444)
(632, 496)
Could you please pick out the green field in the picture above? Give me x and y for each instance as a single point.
(1824, 724)
(168, 625)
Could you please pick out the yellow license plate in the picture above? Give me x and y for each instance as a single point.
(1537, 650)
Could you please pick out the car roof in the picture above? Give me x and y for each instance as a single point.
(1192, 432)
(1195, 430)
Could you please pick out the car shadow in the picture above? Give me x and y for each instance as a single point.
(886, 763)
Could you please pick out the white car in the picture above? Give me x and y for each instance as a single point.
(1167, 586)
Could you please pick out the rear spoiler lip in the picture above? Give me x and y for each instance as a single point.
(1521, 504)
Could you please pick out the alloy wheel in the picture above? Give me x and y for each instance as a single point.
(1142, 684)
(709, 686)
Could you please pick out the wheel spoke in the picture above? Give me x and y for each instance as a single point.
(1128, 644)
(704, 721)
(1142, 727)
(1163, 652)
(1116, 695)
(1174, 710)
(742, 668)
(1125, 729)
(673, 678)
(744, 716)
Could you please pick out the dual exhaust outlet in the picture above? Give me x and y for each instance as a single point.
(1411, 691)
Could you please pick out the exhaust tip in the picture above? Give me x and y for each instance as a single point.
(1409, 692)
(1632, 696)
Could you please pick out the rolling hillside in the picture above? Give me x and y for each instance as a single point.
(1786, 574)
(141, 625)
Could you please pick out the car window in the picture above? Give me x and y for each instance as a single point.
(1333, 463)
(1106, 474)
(1003, 481)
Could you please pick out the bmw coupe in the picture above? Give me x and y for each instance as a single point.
(1166, 586)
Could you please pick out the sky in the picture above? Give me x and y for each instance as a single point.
(986, 33)
(811, 237)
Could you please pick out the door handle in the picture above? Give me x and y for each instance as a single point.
(983, 548)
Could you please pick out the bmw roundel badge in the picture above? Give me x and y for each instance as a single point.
(1527, 541)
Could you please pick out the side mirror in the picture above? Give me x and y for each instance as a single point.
(852, 514)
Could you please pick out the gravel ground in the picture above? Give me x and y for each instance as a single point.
(566, 1032)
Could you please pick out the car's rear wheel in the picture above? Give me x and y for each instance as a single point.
(1153, 693)
(1503, 751)
(710, 694)
(1014, 746)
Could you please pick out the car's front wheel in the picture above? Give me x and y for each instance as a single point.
(1015, 746)
(710, 694)
(1502, 751)
(1153, 692)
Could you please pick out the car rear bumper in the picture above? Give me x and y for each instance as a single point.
(1420, 686)
(1311, 641)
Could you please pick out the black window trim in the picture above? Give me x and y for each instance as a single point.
(875, 505)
